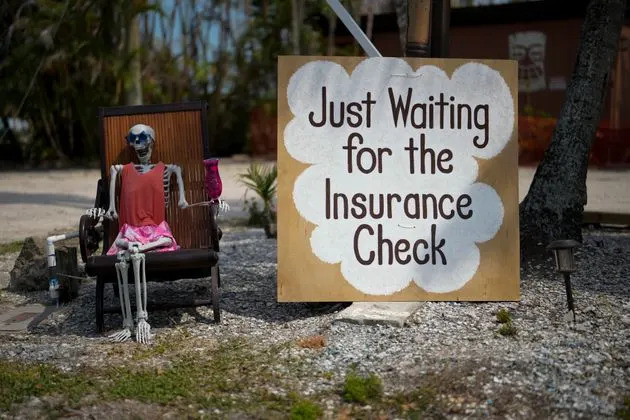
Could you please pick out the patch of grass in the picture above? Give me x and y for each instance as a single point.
(162, 387)
(21, 380)
(623, 412)
(503, 316)
(8, 248)
(305, 410)
(507, 330)
(234, 376)
(361, 389)
(166, 344)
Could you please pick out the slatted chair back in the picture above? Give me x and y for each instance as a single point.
(181, 138)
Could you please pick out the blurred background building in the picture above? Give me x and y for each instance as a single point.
(61, 60)
(543, 36)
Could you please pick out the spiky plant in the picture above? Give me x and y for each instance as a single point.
(262, 180)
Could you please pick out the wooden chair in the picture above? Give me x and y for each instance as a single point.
(182, 139)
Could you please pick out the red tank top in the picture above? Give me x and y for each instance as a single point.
(142, 196)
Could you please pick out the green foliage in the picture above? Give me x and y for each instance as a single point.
(507, 330)
(73, 56)
(61, 61)
(305, 410)
(361, 389)
(11, 247)
(231, 375)
(623, 412)
(19, 381)
(261, 179)
(157, 387)
(503, 316)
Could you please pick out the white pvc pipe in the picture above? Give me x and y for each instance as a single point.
(53, 283)
(354, 28)
(50, 246)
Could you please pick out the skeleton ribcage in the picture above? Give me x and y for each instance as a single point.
(166, 180)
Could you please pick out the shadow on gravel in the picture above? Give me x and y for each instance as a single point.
(248, 290)
(601, 263)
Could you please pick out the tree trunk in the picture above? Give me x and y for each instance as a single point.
(133, 93)
(401, 20)
(554, 204)
(332, 26)
(296, 23)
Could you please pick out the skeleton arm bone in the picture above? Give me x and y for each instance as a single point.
(111, 211)
(175, 169)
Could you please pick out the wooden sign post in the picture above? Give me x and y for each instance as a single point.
(397, 180)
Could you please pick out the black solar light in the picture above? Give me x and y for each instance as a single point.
(565, 264)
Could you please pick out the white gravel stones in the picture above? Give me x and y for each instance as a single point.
(570, 370)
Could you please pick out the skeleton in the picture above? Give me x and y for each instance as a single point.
(141, 138)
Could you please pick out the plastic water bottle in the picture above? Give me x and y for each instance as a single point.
(53, 289)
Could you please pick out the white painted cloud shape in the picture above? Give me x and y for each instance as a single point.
(348, 240)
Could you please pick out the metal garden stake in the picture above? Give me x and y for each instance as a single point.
(565, 264)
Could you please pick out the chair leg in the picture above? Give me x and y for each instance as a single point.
(219, 276)
(116, 290)
(100, 291)
(215, 294)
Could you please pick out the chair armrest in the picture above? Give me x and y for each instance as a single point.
(102, 195)
(89, 236)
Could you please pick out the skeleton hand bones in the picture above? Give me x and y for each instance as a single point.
(95, 213)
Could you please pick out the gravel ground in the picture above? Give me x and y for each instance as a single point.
(550, 369)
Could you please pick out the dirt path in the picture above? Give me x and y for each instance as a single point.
(35, 203)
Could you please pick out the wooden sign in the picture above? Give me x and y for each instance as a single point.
(397, 179)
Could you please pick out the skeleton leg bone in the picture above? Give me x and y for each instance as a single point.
(123, 286)
(143, 329)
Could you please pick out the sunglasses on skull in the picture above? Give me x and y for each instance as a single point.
(142, 137)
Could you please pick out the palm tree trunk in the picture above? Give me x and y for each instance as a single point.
(133, 93)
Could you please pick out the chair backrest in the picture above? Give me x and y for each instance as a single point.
(181, 138)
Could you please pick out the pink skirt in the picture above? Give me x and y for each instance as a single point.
(144, 235)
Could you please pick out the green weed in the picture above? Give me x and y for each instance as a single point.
(361, 389)
(507, 330)
(305, 410)
(11, 247)
(503, 316)
(623, 412)
(21, 380)
(229, 376)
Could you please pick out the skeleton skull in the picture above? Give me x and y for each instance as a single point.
(141, 137)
